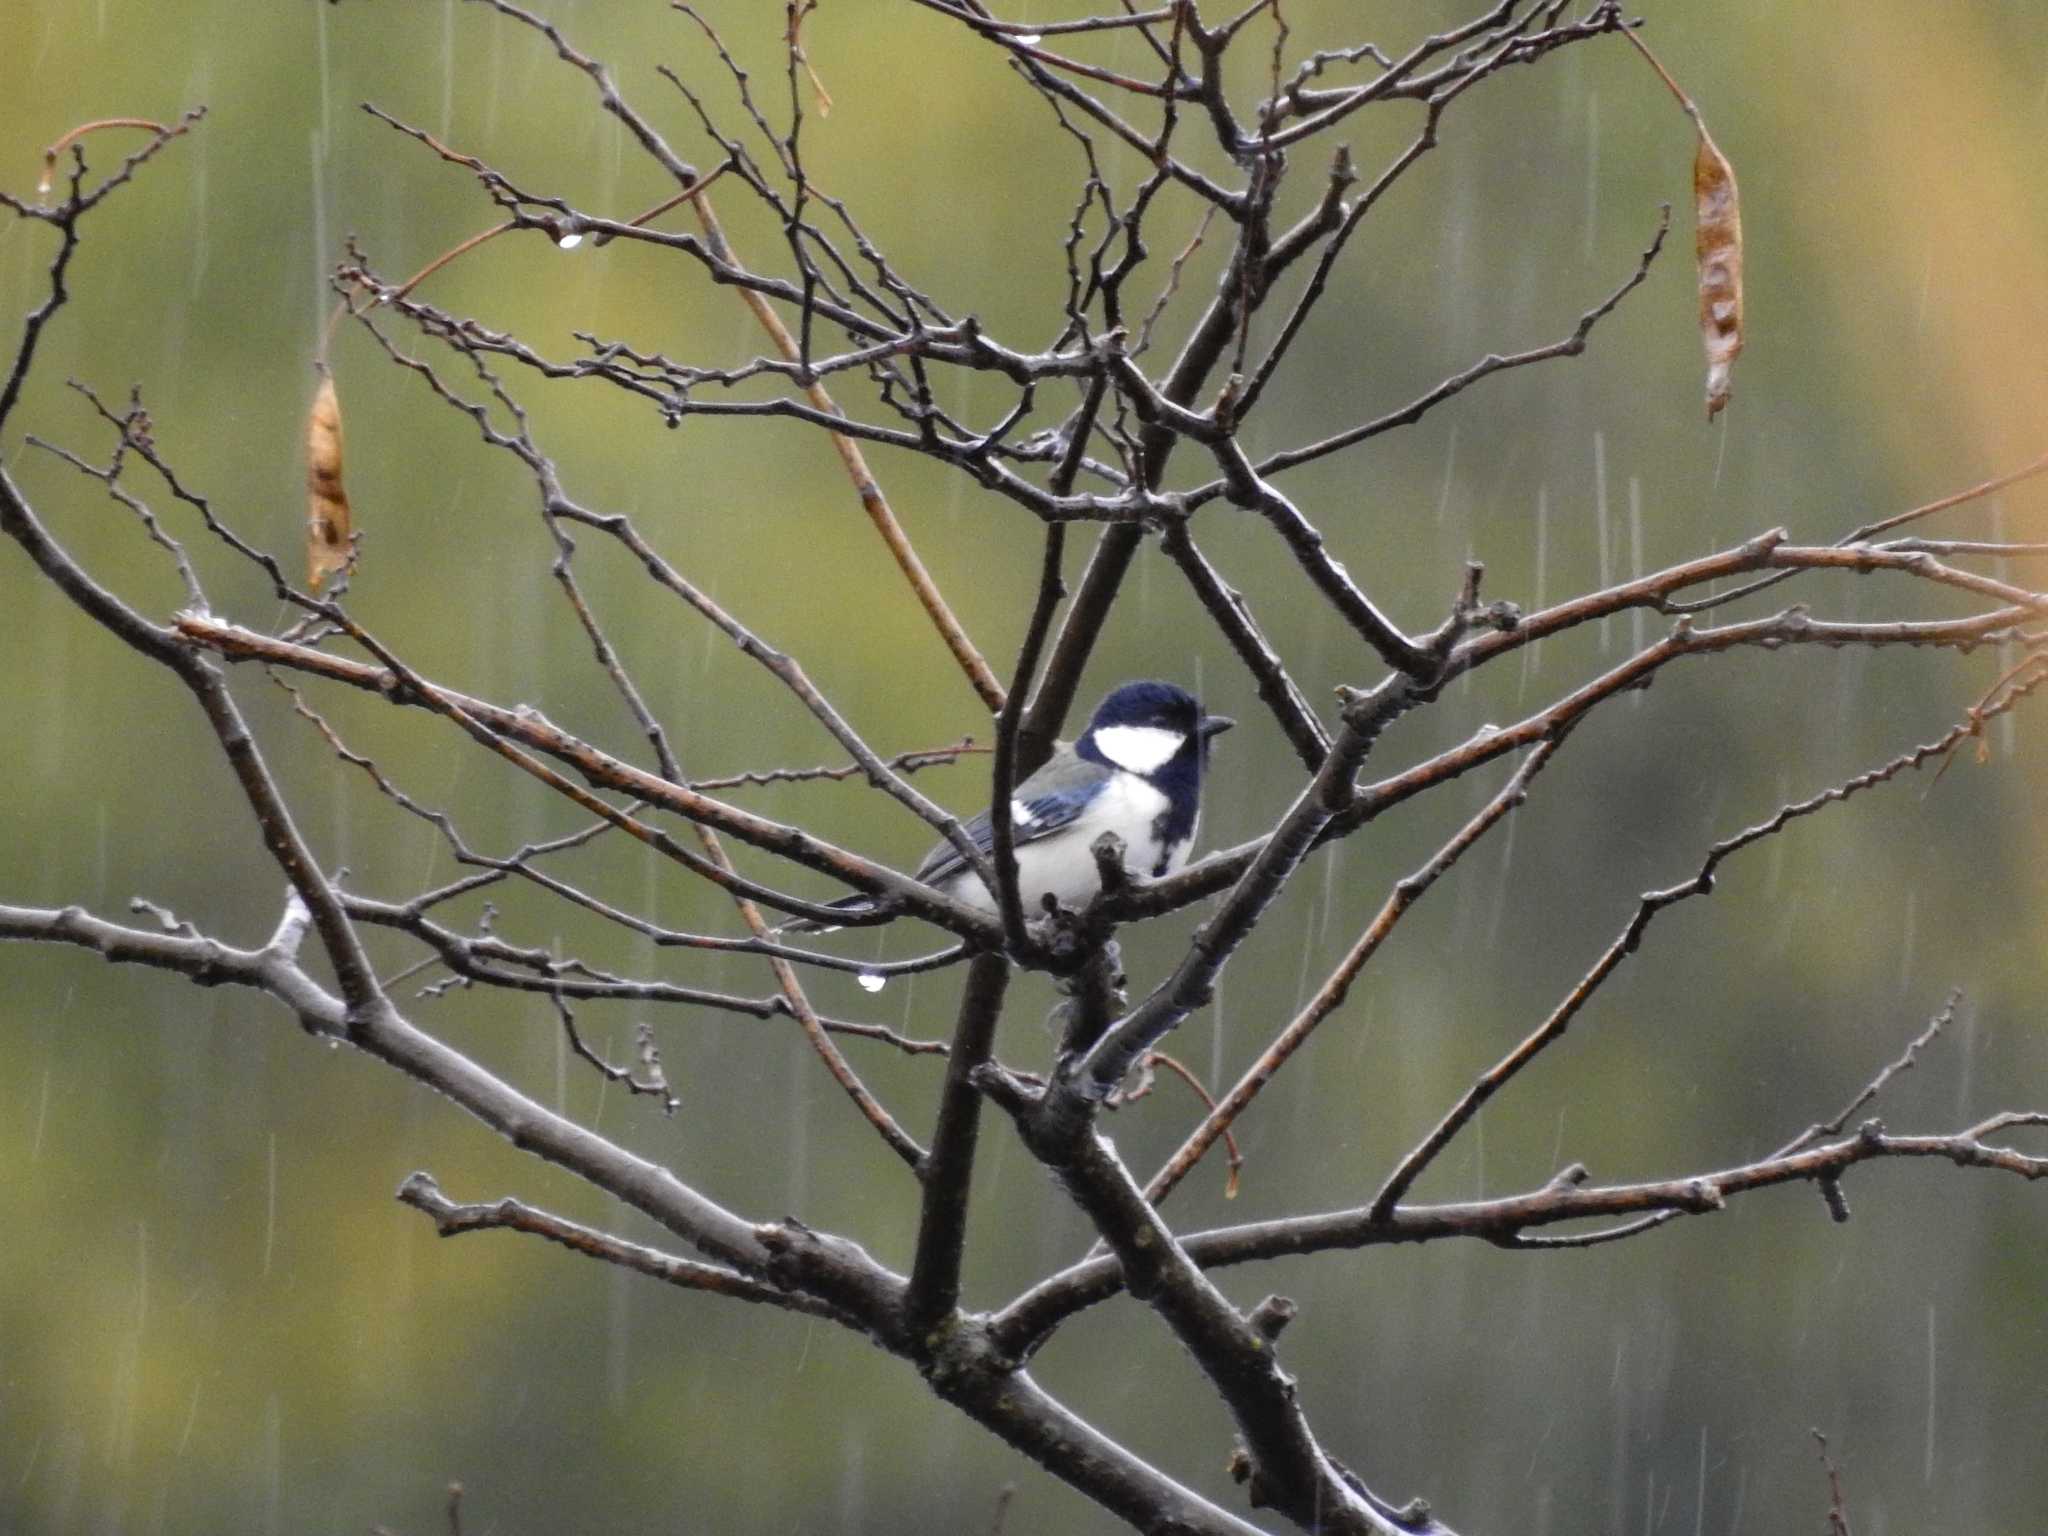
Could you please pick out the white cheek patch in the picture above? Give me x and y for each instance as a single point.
(1138, 748)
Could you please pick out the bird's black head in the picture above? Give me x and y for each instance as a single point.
(1146, 727)
(1163, 706)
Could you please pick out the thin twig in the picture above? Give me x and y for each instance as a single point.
(1868, 531)
(1651, 904)
(507, 1215)
(1331, 994)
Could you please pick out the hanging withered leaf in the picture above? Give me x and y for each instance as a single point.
(1717, 238)
(327, 510)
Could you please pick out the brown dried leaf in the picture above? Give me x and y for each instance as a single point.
(328, 518)
(1717, 239)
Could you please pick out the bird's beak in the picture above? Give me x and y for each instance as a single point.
(1214, 725)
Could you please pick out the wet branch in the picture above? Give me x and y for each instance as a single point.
(1494, 362)
(942, 1231)
(1329, 997)
(1648, 908)
(1287, 1469)
(1080, 402)
(1508, 1221)
(529, 728)
(1793, 627)
(509, 1215)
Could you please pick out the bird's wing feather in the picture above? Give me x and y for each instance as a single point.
(1044, 814)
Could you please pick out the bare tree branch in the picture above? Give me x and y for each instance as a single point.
(529, 728)
(1331, 994)
(942, 1231)
(1031, 1318)
(1629, 941)
(1077, 399)
(508, 1215)
(1288, 1469)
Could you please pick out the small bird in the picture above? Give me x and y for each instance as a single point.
(1136, 771)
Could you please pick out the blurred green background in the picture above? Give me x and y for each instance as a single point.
(214, 1317)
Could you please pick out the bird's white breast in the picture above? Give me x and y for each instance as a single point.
(1062, 865)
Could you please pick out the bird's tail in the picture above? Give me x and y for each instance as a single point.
(856, 906)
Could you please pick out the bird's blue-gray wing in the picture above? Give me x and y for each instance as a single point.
(1047, 812)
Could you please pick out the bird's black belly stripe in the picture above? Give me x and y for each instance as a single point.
(1165, 848)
